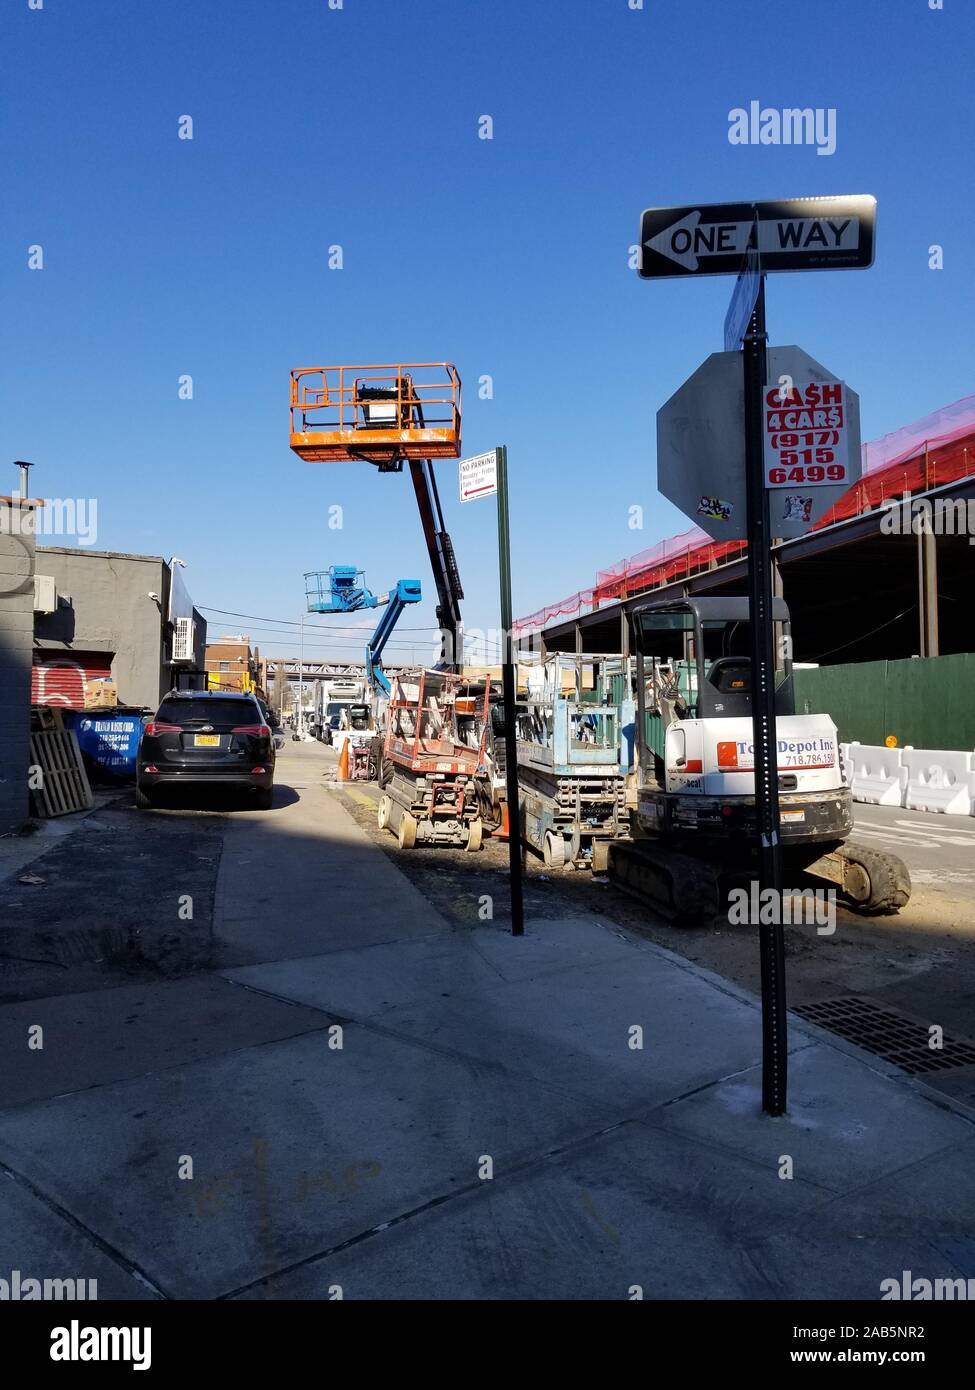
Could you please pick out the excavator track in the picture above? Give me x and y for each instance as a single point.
(683, 889)
(689, 891)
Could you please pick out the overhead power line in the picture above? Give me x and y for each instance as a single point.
(292, 622)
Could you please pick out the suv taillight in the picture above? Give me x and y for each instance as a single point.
(154, 729)
(258, 730)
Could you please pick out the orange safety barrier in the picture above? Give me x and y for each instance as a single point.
(380, 413)
(938, 449)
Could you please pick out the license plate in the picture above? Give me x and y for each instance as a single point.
(793, 815)
(207, 741)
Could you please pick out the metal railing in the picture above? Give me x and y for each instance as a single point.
(394, 396)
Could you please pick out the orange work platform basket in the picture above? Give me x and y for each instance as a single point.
(383, 414)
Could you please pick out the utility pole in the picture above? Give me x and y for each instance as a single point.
(301, 678)
(509, 687)
(481, 476)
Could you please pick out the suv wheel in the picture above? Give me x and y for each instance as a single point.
(264, 798)
(142, 801)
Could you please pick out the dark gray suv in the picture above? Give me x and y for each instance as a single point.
(206, 737)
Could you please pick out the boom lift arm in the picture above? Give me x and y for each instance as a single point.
(443, 562)
(407, 591)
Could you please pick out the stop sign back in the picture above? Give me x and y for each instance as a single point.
(812, 443)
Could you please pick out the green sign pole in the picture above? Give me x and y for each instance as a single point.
(509, 692)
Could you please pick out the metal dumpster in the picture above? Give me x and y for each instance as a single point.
(109, 740)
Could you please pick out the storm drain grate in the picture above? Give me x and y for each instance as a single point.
(903, 1041)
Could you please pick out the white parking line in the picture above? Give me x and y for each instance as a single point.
(920, 834)
(859, 831)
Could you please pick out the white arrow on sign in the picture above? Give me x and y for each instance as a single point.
(684, 241)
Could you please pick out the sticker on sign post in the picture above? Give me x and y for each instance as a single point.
(478, 476)
(807, 437)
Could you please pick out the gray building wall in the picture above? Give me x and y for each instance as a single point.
(111, 611)
(16, 643)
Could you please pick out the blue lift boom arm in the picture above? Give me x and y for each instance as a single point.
(342, 589)
(407, 591)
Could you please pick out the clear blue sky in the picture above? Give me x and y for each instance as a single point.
(508, 257)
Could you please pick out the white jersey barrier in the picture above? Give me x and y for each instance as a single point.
(919, 779)
(877, 775)
(940, 779)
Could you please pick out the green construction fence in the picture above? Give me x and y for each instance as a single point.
(928, 702)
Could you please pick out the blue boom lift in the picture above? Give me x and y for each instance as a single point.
(342, 589)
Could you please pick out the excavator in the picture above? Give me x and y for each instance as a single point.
(693, 822)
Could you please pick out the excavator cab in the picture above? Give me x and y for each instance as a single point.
(694, 660)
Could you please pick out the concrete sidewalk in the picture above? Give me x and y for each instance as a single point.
(347, 1081)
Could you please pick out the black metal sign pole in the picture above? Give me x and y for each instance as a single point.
(771, 936)
(509, 692)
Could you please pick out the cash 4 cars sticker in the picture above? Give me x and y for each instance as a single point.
(806, 438)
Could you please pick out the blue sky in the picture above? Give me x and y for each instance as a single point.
(359, 127)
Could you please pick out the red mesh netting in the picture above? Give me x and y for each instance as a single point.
(937, 449)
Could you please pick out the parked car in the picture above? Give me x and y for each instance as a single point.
(206, 737)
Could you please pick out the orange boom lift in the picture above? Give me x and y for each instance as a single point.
(434, 774)
(387, 415)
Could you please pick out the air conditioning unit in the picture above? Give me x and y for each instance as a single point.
(45, 594)
(183, 640)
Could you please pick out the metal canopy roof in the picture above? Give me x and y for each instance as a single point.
(712, 609)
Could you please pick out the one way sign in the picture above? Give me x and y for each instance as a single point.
(794, 234)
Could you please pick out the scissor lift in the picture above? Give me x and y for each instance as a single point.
(436, 788)
(572, 760)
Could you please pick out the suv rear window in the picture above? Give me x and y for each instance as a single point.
(214, 711)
